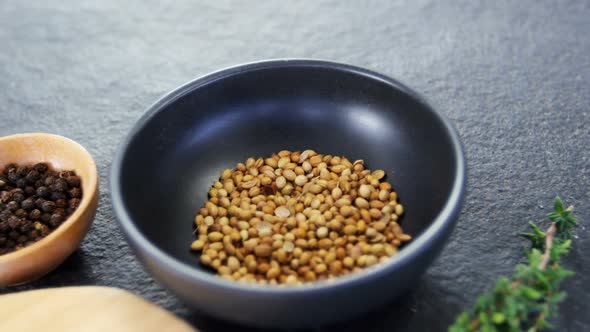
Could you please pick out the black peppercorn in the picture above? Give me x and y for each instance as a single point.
(60, 185)
(29, 190)
(18, 195)
(66, 174)
(61, 211)
(57, 195)
(21, 183)
(35, 214)
(33, 234)
(21, 213)
(14, 222)
(32, 176)
(34, 201)
(4, 215)
(21, 239)
(74, 203)
(5, 196)
(73, 181)
(56, 220)
(12, 206)
(45, 217)
(49, 180)
(61, 203)
(12, 176)
(75, 193)
(25, 226)
(22, 171)
(48, 206)
(41, 167)
(43, 192)
(28, 204)
(8, 167)
(44, 230)
(39, 202)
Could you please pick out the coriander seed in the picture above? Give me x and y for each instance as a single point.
(294, 217)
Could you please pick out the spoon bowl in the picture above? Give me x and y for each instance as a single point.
(43, 256)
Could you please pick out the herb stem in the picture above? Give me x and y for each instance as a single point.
(549, 234)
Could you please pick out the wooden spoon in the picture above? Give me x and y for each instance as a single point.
(61, 153)
(85, 309)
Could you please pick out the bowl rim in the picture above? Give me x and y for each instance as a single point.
(85, 203)
(445, 218)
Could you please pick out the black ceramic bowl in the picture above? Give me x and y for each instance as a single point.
(175, 152)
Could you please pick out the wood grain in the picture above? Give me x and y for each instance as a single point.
(85, 309)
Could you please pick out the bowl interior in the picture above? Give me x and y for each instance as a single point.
(175, 154)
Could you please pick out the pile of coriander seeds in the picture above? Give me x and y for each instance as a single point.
(34, 201)
(298, 217)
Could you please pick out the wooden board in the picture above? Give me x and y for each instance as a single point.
(85, 309)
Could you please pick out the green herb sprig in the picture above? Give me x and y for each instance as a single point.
(527, 300)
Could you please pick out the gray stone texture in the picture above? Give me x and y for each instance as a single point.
(511, 75)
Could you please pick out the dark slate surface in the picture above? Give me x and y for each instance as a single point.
(512, 76)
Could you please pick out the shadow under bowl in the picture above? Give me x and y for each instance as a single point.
(164, 168)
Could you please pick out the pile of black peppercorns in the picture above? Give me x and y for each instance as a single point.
(33, 202)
